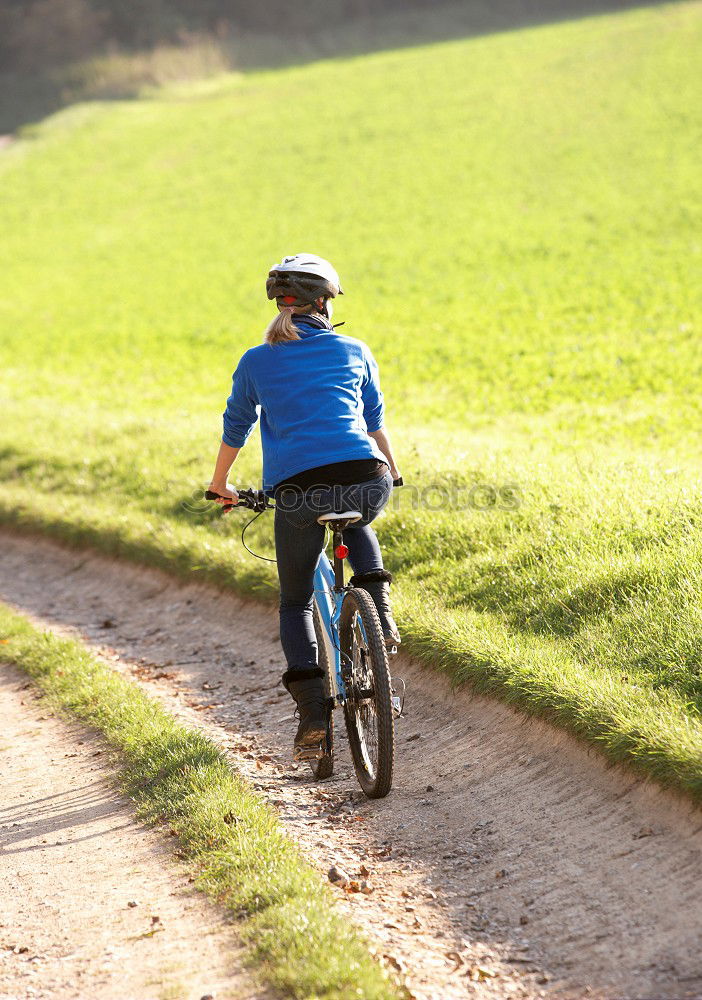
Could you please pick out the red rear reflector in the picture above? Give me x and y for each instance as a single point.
(341, 551)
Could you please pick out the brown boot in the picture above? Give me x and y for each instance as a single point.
(307, 688)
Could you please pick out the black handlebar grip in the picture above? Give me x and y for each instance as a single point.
(211, 495)
(398, 482)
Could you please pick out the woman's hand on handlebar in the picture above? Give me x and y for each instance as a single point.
(226, 495)
(396, 477)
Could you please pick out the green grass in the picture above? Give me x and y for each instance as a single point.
(516, 219)
(296, 940)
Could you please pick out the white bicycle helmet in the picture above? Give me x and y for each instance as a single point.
(302, 279)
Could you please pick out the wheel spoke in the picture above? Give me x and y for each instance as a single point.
(366, 720)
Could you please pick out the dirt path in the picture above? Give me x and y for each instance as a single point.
(73, 859)
(508, 860)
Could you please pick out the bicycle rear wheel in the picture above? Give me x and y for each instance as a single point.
(368, 709)
(323, 767)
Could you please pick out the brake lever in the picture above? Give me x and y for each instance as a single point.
(255, 500)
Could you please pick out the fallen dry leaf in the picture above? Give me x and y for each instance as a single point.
(479, 973)
(454, 957)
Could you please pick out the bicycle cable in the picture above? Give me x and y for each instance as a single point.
(243, 540)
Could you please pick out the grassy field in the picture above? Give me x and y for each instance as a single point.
(285, 915)
(517, 222)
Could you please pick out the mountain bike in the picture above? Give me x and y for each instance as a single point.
(354, 658)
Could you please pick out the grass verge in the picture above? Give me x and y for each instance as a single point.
(286, 916)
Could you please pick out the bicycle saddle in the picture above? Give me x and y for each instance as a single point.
(337, 522)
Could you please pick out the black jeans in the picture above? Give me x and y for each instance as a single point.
(299, 540)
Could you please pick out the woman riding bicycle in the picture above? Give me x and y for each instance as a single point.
(324, 449)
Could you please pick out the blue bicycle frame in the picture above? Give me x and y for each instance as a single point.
(329, 601)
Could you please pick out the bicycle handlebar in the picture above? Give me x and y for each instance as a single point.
(257, 500)
(253, 499)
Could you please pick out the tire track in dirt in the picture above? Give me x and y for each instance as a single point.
(92, 903)
(509, 860)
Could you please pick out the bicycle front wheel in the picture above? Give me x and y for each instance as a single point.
(368, 709)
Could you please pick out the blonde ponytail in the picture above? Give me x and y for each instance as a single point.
(281, 328)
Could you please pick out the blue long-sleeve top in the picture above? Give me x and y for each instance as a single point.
(318, 397)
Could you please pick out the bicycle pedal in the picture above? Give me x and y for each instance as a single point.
(398, 700)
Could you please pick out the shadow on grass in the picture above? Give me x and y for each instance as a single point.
(28, 98)
(542, 602)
